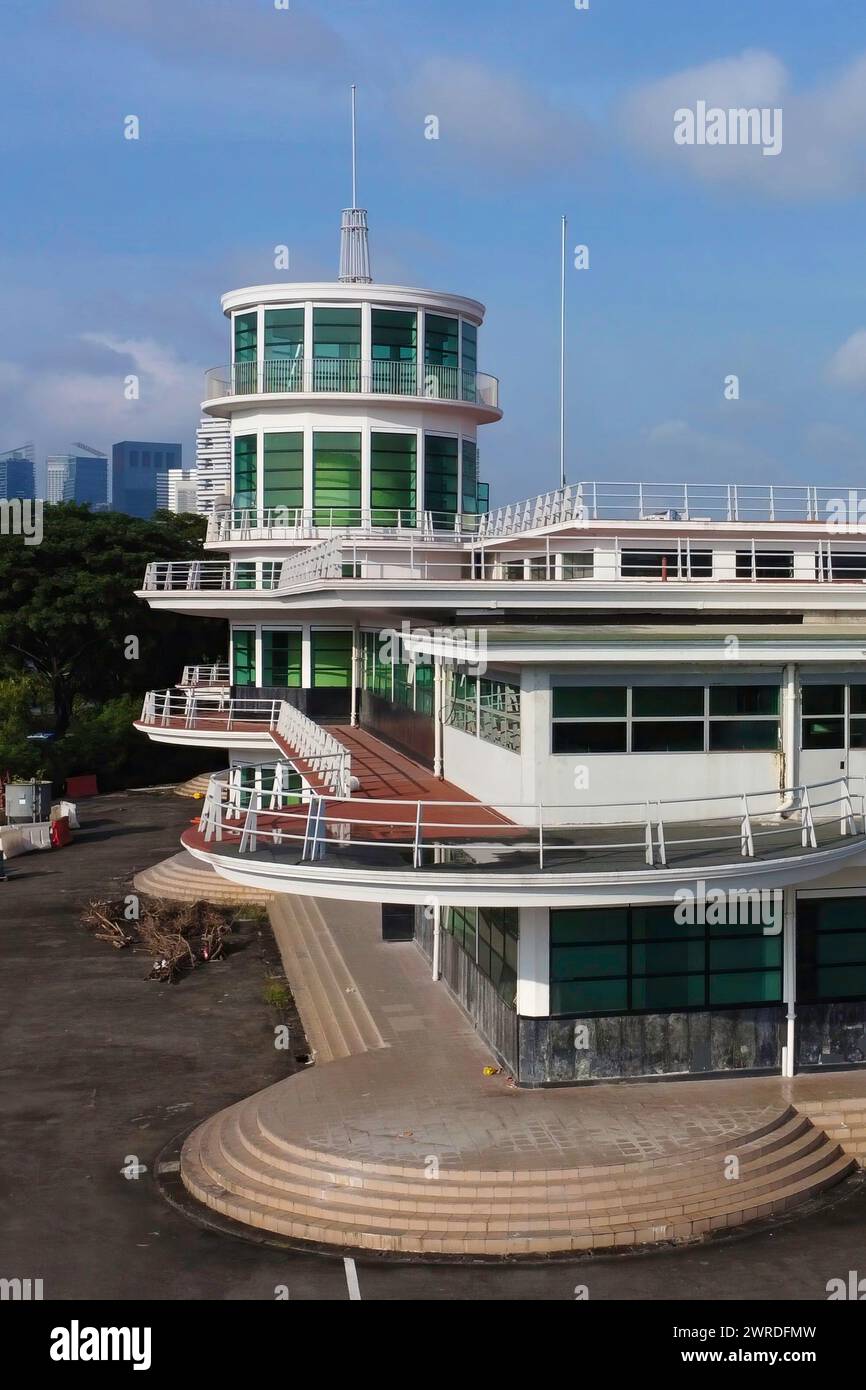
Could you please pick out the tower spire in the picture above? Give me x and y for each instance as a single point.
(354, 248)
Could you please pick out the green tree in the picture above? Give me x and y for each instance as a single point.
(68, 607)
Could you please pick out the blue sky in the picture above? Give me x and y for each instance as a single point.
(703, 262)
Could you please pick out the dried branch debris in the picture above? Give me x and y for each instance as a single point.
(177, 936)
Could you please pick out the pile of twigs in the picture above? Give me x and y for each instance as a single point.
(177, 936)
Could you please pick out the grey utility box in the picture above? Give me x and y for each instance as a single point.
(28, 802)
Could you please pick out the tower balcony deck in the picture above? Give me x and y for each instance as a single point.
(304, 381)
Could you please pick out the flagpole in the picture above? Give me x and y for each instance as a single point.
(562, 359)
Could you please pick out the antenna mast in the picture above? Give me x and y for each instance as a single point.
(562, 359)
(354, 248)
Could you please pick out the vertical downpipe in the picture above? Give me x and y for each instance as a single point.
(789, 977)
(790, 771)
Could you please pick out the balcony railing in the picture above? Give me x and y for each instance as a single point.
(322, 754)
(615, 559)
(338, 375)
(442, 835)
(307, 523)
(218, 674)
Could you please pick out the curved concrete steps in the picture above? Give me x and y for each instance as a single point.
(235, 1164)
(182, 878)
(337, 1022)
(195, 786)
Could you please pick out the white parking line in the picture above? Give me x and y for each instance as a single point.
(352, 1279)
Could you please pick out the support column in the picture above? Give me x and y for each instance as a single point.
(533, 962)
(790, 725)
(356, 677)
(438, 704)
(789, 979)
(437, 941)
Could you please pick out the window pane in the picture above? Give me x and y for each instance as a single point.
(589, 738)
(745, 955)
(337, 478)
(284, 349)
(669, 992)
(858, 699)
(768, 564)
(284, 470)
(667, 702)
(823, 699)
(672, 957)
(575, 962)
(823, 733)
(245, 471)
(750, 987)
(393, 470)
(440, 340)
(589, 702)
(577, 565)
(281, 659)
(440, 479)
(668, 736)
(834, 948)
(245, 337)
(331, 659)
(469, 497)
(744, 699)
(842, 982)
(394, 335)
(573, 925)
(595, 996)
(243, 657)
(748, 734)
(659, 923)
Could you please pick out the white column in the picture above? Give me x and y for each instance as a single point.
(533, 962)
(437, 941)
(790, 725)
(789, 977)
(306, 658)
(438, 702)
(356, 677)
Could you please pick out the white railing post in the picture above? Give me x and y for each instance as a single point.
(747, 843)
(648, 834)
(663, 853)
(847, 825)
(416, 853)
(808, 836)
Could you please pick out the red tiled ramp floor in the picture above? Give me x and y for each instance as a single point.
(408, 1147)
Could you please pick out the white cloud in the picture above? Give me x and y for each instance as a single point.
(824, 128)
(847, 366)
(494, 123)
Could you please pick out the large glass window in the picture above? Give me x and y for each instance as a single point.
(440, 479)
(831, 949)
(485, 708)
(284, 470)
(823, 708)
(246, 333)
(667, 564)
(394, 349)
(640, 960)
(284, 349)
(337, 349)
(393, 473)
(765, 564)
(331, 655)
(469, 337)
(281, 658)
(337, 478)
(441, 356)
(469, 499)
(245, 484)
(665, 719)
(243, 656)
(489, 936)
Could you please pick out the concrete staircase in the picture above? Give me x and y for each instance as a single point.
(182, 878)
(239, 1164)
(196, 786)
(336, 1019)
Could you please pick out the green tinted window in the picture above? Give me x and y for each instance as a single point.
(590, 702)
(394, 335)
(440, 478)
(331, 654)
(831, 949)
(469, 499)
(744, 699)
(284, 333)
(337, 333)
(337, 478)
(243, 657)
(246, 330)
(393, 473)
(284, 470)
(440, 340)
(281, 659)
(245, 488)
(667, 702)
(823, 699)
(746, 734)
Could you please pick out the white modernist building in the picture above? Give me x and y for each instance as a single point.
(603, 751)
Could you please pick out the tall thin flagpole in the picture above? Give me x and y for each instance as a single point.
(354, 191)
(562, 359)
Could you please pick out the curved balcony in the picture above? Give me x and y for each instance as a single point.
(466, 853)
(351, 377)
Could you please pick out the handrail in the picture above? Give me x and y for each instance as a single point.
(311, 375)
(218, 673)
(306, 523)
(418, 827)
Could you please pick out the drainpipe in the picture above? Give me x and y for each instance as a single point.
(356, 678)
(437, 940)
(437, 717)
(789, 976)
(790, 746)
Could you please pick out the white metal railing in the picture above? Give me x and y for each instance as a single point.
(584, 502)
(218, 712)
(611, 559)
(318, 748)
(323, 561)
(424, 833)
(216, 674)
(306, 376)
(308, 523)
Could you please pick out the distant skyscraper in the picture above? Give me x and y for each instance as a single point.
(18, 473)
(87, 480)
(135, 466)
(176, 490)
(213, 465)
(56, 476)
